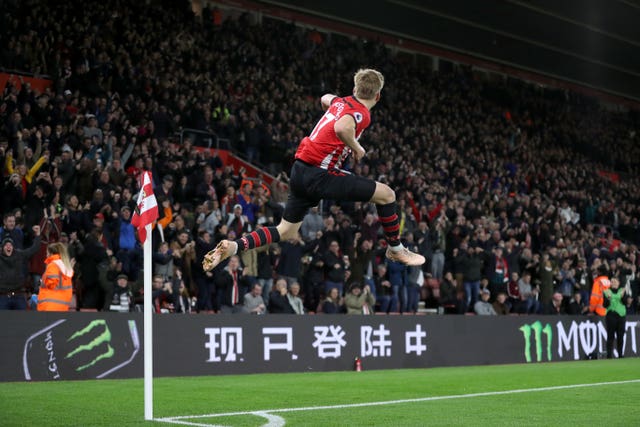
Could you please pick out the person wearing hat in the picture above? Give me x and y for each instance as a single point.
(121, 300)
(12, 261)
(56, 290)
(359, 300)
(483, 307)
(238, 222)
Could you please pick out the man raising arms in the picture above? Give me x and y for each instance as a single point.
(316, 175)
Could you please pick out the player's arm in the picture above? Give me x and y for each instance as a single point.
(326, 100)
(345, 129)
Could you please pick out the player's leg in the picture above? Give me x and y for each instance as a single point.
(385, 200)
(259, 237)
(295, 210)
(340, 185)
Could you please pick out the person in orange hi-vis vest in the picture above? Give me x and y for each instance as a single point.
(56, 290)
(600, 284)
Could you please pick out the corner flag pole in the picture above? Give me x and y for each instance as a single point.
(148, 328)
(146, 212)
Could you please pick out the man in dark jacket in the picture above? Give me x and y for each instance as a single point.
(231, 286)
(12, 271)
(471, 264)
(278, 301)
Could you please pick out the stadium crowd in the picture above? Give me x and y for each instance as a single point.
(518, 196)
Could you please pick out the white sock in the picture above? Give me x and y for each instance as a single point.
(397, 248)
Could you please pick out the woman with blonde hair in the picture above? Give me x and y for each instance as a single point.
(56, 290)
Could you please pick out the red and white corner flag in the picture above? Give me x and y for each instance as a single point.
(146, 208)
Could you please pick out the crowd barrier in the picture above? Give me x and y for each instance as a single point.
(38, 84)
(57, 346)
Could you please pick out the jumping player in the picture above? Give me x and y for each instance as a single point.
(316, 175)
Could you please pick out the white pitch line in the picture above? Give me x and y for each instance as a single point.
(266, 412)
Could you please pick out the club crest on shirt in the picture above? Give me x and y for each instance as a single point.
(358, 117)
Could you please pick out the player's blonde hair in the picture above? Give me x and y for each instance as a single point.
(367, 83)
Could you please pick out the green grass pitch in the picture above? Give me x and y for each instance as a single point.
(585, 393)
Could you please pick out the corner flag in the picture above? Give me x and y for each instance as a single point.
(146, 208)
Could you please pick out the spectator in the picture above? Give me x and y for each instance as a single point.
(386, 300)
(500, 305)
(449, 295)
(266, 257)
(333, 304)
(9, 229)
(359, 300)
(311, 224)
(335, 267)
(93, 267)
(127, 250)
(577, 306)
(204, 284)
(471, 265)
(231, 285)
(183, 302)
(529, 303)
(291, 252)
(555, 306)
(122, 297)
(498, 272)
(294, 300)
(441, 164)
(278, 300)
(163, 261)
(483, 306)
(253, 302)
(12, 262)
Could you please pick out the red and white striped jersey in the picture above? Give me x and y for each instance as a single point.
(323, 148)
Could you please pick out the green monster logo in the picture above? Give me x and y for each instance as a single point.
(537, 329)
(103, 338)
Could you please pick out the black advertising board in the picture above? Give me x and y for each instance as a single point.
(49, 346)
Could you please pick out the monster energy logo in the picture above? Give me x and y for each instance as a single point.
(103, 338)
(536, 329)
(95, 348)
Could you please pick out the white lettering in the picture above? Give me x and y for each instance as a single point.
(588, 337)
(53, 367)
(329, 341)
(269, 346)
(568, 341)
(227, 340)
(631, 328)
(374, 342)
(413, 341)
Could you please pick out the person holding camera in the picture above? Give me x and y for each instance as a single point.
(616, 317)
(359, 300)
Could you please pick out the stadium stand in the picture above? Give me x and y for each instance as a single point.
(546, 175)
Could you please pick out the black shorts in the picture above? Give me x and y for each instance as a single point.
(310, 184)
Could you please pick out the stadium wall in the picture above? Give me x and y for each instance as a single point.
(17, 79)
(57, 346)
